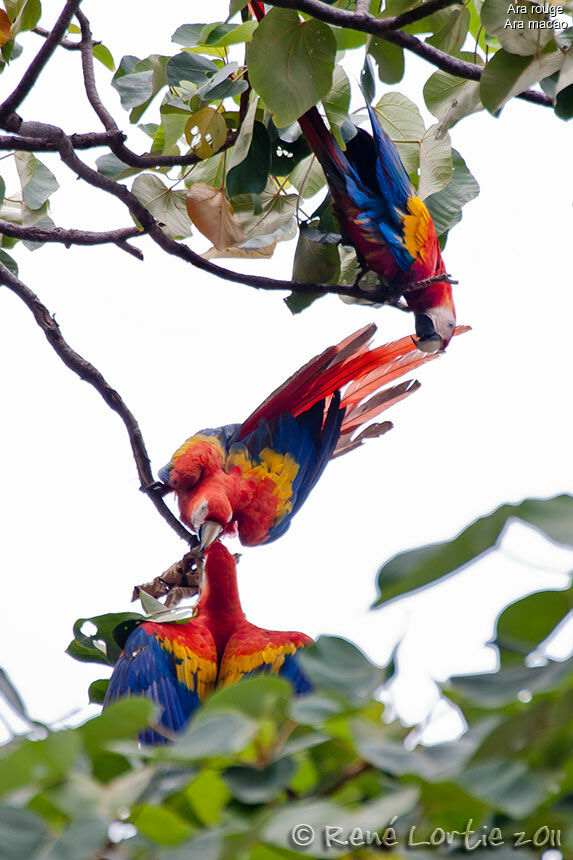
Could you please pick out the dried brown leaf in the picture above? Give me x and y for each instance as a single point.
(210, 211)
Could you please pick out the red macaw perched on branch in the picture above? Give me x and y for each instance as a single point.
(176, 664)
(252, 478)
(383, 218)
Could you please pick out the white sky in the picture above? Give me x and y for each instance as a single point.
(492, 422)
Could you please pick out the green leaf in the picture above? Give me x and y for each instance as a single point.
(259, 785)
(207, 846)
(291, 63)
(402, 120)
(506, 785)
(250, 176)
(24, 14)
(280, 825)
(167, 207)
(80, 841)
(506, 75)
(451, 36)
(261, 697)
(2, 190)
(337, 102)
(9, 262)
(110, 165)
(436, 166)
(526, 623)
(338, 665)
(37, 181)
(97, 690)
(564, 85)
(214, 733)
(315, 261)
(308, 177)
(214, 35)
(450, 98)
(416, 568)
(138, 82)
(208, 795)
(389, 59)
(35, 763)
(564, 103)
(99, 646)
(161, 824)
(122, 719)
(103, 54)
(189, 67)
(10, 694)
(495, 689)
(23, 835)
(517, 31)
(445, 207)
(434, 763)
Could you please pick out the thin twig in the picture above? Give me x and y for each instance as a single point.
(34, 70)
(386, 28)
(117, 146)
(89, 373)
(74, 237)
(63, 43)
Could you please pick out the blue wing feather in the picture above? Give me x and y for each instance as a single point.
(146, 669)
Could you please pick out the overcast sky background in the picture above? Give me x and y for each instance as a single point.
(491, 423)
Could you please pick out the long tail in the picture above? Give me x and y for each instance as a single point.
(350, 363)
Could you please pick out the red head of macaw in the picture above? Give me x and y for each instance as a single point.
(250, 479)
(382, 217)
(177, 664)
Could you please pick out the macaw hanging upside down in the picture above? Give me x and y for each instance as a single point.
(382, 217)
(251, 478)
(177, 664)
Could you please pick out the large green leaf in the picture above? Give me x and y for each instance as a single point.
(214, 733)
(436, 167)
(416, 568)
(37, 181)
(34, 763)
(445, 207)
(169, 208)
(316, 259)
(291, 63)
(337, 102)
(98, 645)
(138, 82)
(495, 689)
(526, 623)
(518, 28)
(506, 785)
(506, 75)
(402, 120)
(389, 59)
(450, 98)
(250, 176)
(258, 785)
(23, 835)
(303, 825)
(123, 719)
(338, 665)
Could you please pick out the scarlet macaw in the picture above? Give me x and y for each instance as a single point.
(383, 218)
(177, 664)
(252, 478)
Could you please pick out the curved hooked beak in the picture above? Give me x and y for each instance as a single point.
(208, 533)
(428, 338)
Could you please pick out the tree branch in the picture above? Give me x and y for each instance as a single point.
(74, 237)
(116, 144)
(63, 43)
(87, 140)
(386, 28)
(34, 70)
(89, 373)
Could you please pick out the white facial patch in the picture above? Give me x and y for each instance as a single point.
(443, 320)
(200, 514)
